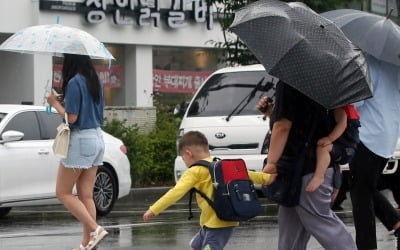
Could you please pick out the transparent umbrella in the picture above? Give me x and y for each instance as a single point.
(305, 50)
(56, 40)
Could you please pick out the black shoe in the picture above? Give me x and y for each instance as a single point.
(397, 235)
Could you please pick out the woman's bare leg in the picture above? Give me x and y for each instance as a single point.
(84, 187)
(66, 179)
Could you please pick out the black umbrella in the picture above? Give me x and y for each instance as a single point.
(305, 50)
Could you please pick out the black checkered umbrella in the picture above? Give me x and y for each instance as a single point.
(304, 50)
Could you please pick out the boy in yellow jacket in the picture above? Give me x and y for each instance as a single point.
(214, 232)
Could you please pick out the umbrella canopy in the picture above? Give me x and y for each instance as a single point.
(377, 35)
(304, 50)
(56, 40)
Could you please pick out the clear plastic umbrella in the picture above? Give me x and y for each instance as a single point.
(377, 35)
(56, 40)
(305, 50)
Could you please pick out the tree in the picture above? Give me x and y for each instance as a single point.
(234, 50)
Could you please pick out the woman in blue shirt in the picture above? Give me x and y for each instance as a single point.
(83, 103)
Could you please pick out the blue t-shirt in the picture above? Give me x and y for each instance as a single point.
(79, 101)
(380, 115)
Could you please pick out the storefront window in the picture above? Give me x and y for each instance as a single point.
(110, 73)
(179, 72)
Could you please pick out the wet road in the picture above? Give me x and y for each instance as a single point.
(51, 228)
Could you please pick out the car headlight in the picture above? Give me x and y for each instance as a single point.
(180, 132)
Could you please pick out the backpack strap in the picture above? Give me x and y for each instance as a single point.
(203, 163)
(209, 165)
(194, 190)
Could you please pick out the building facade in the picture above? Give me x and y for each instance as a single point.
(162, 47)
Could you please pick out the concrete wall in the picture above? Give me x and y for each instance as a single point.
(139, 76)
(42, 74)
(17, 14)
(144, 118)
(16, 76)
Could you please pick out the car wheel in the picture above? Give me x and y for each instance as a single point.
(4, 211)
(105, 190)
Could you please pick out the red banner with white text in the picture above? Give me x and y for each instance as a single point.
(178, 81)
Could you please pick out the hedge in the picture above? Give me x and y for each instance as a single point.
(151, 155)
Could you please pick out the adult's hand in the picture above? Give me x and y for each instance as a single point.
(52, 98)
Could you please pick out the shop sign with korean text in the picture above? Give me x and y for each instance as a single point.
(138, 12)
(178, 81)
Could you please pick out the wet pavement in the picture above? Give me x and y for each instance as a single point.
(52, 227)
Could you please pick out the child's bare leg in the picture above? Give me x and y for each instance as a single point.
(323, 159)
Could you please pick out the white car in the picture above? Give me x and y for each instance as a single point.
(224, 110)
(28, 167)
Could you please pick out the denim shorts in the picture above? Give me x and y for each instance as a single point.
(211, 238)
(86, 149)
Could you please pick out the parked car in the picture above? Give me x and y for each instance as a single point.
(224, 109)
(28, 167)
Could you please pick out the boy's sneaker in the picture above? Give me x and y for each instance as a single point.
(397, 235)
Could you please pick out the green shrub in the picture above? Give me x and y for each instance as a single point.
(151, 155)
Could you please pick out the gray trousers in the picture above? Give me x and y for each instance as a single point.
(313, 216)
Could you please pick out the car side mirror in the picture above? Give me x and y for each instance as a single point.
(11, 135)
(180, 109)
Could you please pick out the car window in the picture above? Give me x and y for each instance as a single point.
(235, 92)
(2, 115)
(49, 124)
(26, 123)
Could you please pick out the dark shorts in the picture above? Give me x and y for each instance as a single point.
(211, 238)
